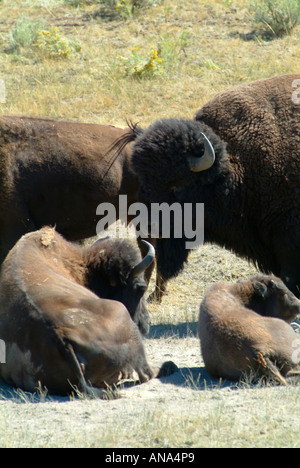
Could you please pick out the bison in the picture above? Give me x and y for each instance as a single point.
(72, 316)
(240, 156)
(242, 328)
(57, 173)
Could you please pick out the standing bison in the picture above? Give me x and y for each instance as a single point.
(71, 316)
(241, 158)
(57, 173)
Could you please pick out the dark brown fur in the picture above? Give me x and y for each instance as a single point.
(67, 314)
(57, 173)
(242, 328)
(251, 192)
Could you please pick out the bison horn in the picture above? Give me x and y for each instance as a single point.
(101, 239)
(145, 263)
(207, 160)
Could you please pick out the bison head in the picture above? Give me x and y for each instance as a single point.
(116, 272)
(175, 161)
(272, 298)
(170, 155)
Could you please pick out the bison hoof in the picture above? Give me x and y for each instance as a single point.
(167, 369)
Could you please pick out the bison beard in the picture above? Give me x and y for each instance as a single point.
(171, 256)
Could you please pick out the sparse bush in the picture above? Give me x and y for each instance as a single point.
(144, 66)
(275, 17)
(126, 8)
(28, 37)
(53, 44)
(23, 35)
(166, 57)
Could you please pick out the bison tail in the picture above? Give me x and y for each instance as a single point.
(119, 144)
(84, 388)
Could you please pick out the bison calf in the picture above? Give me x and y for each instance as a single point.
(242, 326)
(67, 314)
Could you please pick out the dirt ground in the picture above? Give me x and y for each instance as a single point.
(187, 409)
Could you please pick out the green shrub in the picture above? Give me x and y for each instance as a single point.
(166, 57)
(144, 66)
(275, 17)
(23, 34)
(172, 50)
(53, 44)
(30, 37)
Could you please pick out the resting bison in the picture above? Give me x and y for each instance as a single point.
(241, 158)
(68, 315)
(242, 328)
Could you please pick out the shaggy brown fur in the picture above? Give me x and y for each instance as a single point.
(57, 173)
(242, 329)
(251, 192)
(67, 314)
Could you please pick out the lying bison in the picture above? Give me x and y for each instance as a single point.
(241, 158)
(242, 329)
(71, 316)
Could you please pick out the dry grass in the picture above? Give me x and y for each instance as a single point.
(94, 87)
(207, 49)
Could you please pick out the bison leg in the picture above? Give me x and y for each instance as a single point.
(79, 371)
(160, 289)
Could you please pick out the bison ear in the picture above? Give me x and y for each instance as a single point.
(260, 289)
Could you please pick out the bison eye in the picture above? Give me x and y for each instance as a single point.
(272, 284)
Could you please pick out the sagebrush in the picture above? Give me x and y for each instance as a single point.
(275, 18)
